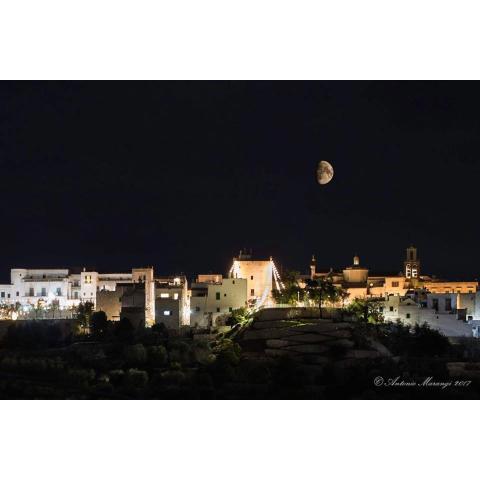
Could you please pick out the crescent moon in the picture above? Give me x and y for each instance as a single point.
(324, 172)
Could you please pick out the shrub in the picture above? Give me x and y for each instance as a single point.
(136, 378)
(99, 323)
(157, 355)
(135, 354)
(201, 353)
(227, 351)
(81, 376)
(116, 376)
(180, 353)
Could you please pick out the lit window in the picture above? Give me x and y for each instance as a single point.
(175, 296)
(164, 295)
(88, 279)
(395, 284)
(167, 313)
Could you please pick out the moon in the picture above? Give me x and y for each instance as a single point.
(324, 172)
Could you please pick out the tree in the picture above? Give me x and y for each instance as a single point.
(240, 315)
(292, 293)
(84, 313)
(135, 354)
(124, 330)
(322, 290)
(99, 323)
(367, 309)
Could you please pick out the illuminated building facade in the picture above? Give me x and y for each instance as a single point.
(213, 296)
(411, 265)
(32, 287)
(172, 302)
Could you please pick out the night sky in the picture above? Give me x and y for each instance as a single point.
(181, 175)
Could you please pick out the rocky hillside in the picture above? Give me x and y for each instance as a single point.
(300, 334)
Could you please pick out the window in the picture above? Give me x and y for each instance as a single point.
(75, 295)
(233, 282)
(251, 277)
(230, 309)
(18, 294)
(88, 279)
(407, 315)
(59, 292)
(395, 284)
(391, 309)
(164, 295)
(197, 309)
(44, 292)
(218, 309)
(448, 304)
(217, 296)
(2, 295)
(175, 296)
(435, 303)
(224, 294)
(30, 292)
(252, 292)
(167, 313)
(8, 295)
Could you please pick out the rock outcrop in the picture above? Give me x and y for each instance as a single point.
(299, 333)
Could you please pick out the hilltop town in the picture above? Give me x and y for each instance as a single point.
(452, 307)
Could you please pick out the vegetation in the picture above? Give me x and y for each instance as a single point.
(366, 309)
(293, 294)
(84, 314)
(239, 316)
(322, 290)
(42, 359)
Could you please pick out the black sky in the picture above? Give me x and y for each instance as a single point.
(181, 175)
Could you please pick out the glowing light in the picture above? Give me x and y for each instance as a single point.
(235, 270)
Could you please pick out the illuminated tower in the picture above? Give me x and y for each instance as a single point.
(313, 267)
(411, 264)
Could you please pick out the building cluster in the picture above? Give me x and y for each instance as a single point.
(145, 298)
(140, 295)
(411, 297)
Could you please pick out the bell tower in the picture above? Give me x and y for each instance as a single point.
(313, 267)
(411, 265)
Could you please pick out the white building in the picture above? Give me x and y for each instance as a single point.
(213, 296)
(172, 302)
(402, 309)
(261, 275)
(33, 287)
